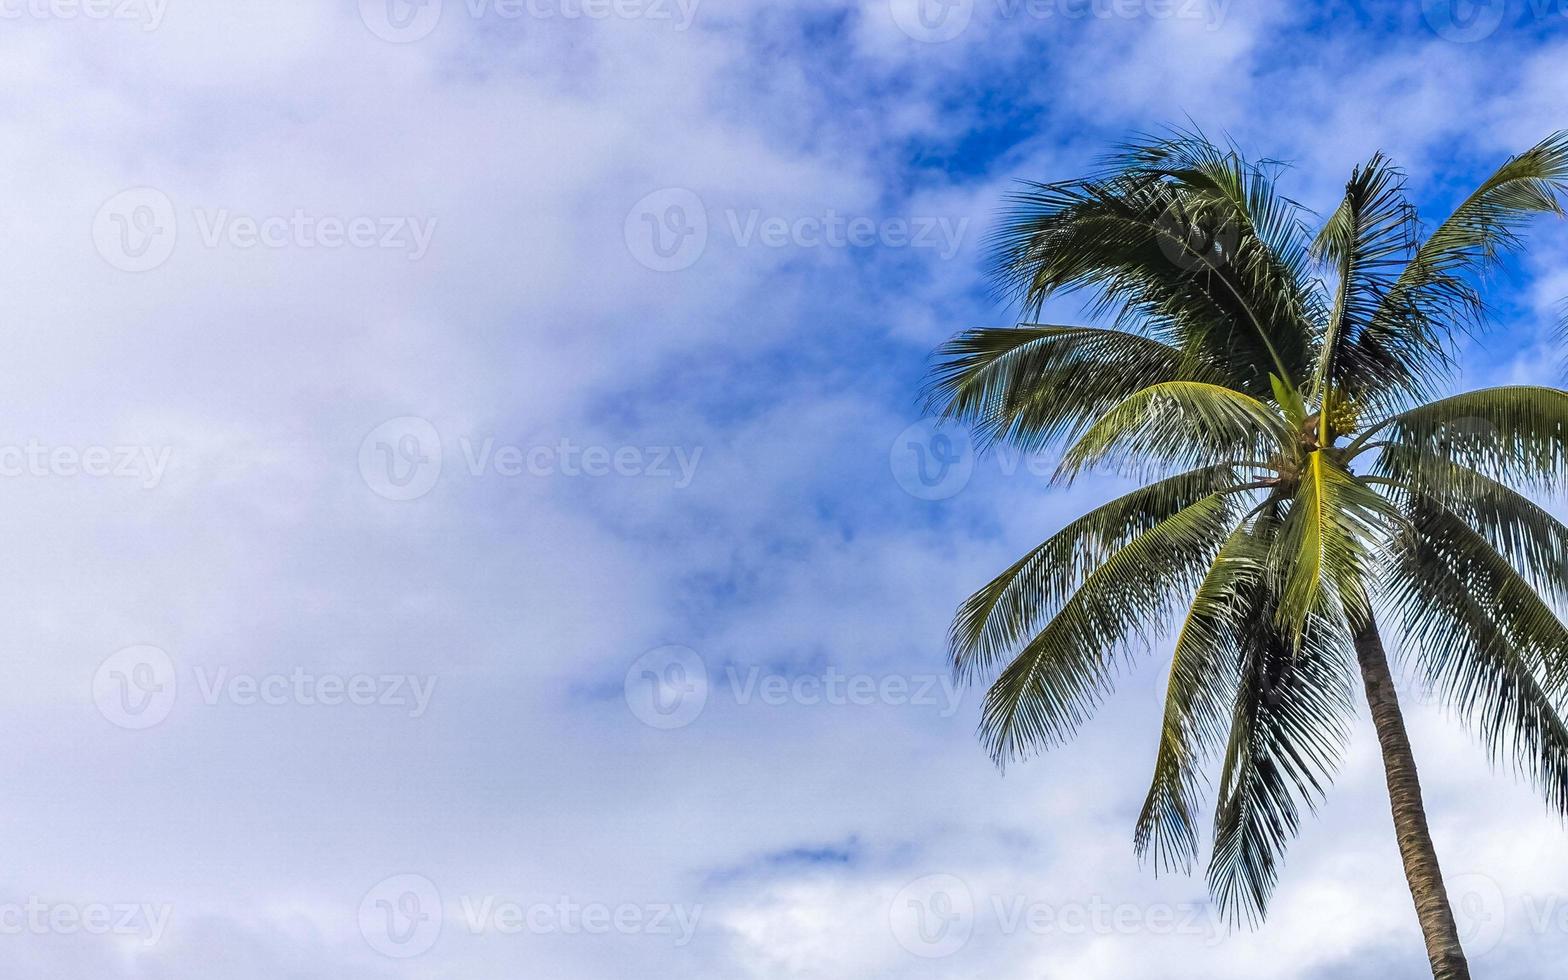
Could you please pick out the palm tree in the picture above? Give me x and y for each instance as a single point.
(1276, 392)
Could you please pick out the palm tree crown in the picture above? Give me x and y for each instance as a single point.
(1274, 389)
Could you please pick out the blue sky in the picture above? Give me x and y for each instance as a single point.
(418, 569)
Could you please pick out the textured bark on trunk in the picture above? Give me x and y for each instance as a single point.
(1404, 793)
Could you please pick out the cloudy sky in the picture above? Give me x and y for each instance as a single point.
(460, 514)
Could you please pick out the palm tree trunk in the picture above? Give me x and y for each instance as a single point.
(1404, 793)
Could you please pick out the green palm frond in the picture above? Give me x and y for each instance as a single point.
(1491, 648)
(1534, 542)
(1011, 608)
(1203, 681)
(1366, 240)
(1061, 675)
(1179, 424)
(1171, 239)
(1517, 433)
(1435, 298)
(1033, 384)
(1323, 552)
(1289, 725)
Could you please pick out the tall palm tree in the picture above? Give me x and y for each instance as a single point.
(1276, 390)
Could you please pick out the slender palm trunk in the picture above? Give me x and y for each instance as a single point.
(1404, 793)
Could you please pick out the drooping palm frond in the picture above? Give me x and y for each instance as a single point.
(1202, 686)
(1034, 384)
(1012, 607)
(1179, 423)
(1517, 433)
(1534, 542)
(1486, 643)
(1289, 725)
(1061, 675)
(1170, 243)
